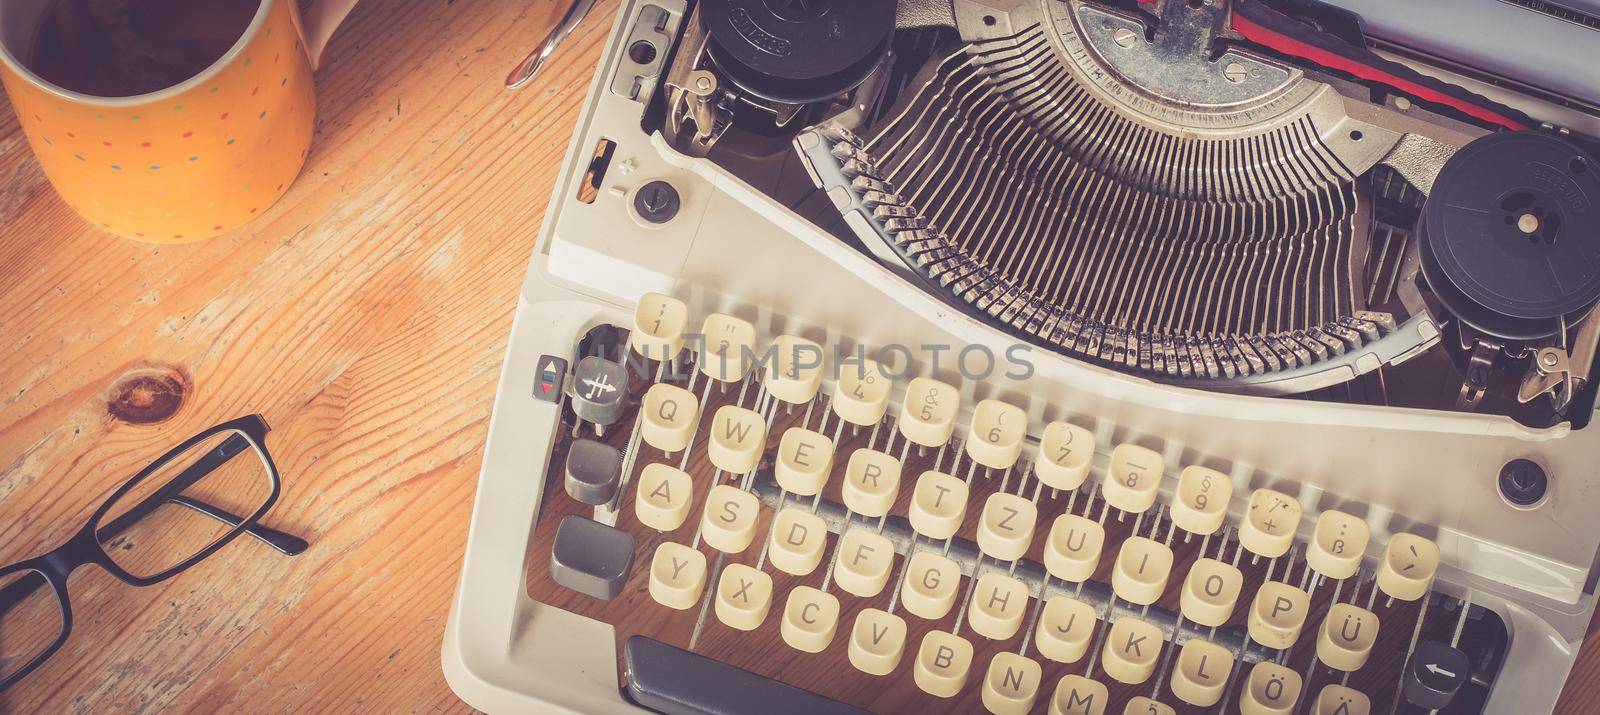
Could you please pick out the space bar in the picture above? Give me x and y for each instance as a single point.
(672, 680)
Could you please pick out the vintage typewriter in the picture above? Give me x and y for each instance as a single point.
(1066, 356)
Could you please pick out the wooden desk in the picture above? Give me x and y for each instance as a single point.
(365, 315)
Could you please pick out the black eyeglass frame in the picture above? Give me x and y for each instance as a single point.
(85, 547)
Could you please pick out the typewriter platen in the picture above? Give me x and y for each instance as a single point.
(1056, 356)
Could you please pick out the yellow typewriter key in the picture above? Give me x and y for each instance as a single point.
(1340, 700)
(928, 414)
(664, 494)
(871, 482)
(810, 618)
(1210, 592)
(743, 597)
(1011, 684)
(1133, 478)
(658, 325)
(677, 575)
(729, 348)
(797, 542)
(1065, 452)
(1077, 695)
(795, 370)
(1406, 570)
(1065, 630)
(1072, 551)
(861, 395)
(1277, 614)
(1271, 689)
(1201, 502)
(1337, 544)
(805, 458)
(877, 641)
(1141, 705)
(1202, 672)
(1005, 529)
(998, 605)
(1269, 523)
(942, 663)
(668, 417)
(1141, 571)
(930, 586)
(938, 505)
(996, 435)
(865, 558)
(728, 523)
(1132, 648)
(738, 437)
(1346, 638)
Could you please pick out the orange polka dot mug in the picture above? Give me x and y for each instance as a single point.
(187, 161)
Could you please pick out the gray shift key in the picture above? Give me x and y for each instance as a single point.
(593, 471)
(591, 558)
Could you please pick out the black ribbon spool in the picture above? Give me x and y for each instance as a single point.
(1510, 234)
(797, 51)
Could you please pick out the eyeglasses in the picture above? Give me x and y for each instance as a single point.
(170, 516)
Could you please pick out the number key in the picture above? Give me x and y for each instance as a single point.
(861, 395)
(795, 371)
(1133, 479)
(729, 347)
(997, 431)
(1201, 501)
(658, 325)
(928, 414)
(1065, 451)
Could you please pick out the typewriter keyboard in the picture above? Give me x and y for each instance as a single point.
(763, 531)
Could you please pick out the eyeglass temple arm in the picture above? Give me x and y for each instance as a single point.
(230, 448)
(287, 544)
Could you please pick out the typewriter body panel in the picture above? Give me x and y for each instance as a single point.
(736, 246)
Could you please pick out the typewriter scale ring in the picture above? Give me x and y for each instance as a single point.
(1173, 82)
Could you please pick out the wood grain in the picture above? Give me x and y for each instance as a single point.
(365, 316)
